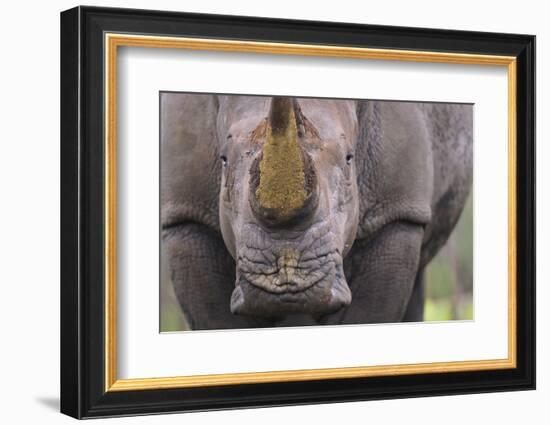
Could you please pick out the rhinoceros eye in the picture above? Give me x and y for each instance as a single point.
(223, 158)
(349, 158)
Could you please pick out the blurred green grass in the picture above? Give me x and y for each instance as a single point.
(448, 280)
(449, 276)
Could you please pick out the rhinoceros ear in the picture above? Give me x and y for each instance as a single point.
(189, 145)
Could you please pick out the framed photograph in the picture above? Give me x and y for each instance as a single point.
(262, 212)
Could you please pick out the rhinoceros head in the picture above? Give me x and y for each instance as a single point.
(288, 202)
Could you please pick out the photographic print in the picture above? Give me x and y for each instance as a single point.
(292, 211)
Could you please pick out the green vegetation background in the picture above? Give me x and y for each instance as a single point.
(449, 276)
(448, 279)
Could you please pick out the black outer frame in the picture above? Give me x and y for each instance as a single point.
(82, 219)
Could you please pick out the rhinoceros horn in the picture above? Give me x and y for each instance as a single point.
(285, 171)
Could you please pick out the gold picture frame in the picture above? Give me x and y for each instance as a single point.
(114, 41)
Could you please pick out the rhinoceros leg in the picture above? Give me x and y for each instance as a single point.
(381, 272)
(415, 309)
(203, 275)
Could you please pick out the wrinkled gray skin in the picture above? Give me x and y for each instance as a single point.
(391, 181)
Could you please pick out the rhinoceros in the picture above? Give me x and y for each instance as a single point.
(285, 211)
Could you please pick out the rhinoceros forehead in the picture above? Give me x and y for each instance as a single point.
(333, 119)
(239, 115)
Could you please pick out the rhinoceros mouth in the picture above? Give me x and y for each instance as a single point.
(251, 300)
(276, 278)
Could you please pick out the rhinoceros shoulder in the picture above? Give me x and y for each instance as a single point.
(414, 163)
(394, 166)
(450, 128)
(190, 171)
